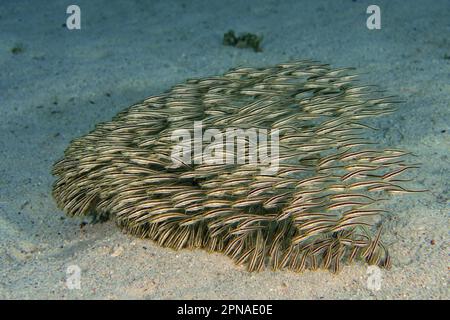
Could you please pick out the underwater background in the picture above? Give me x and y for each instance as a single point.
(56, 84)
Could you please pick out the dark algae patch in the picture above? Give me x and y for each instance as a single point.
(244, 40)
(17, 49)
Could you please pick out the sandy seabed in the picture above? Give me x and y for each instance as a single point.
(57, 84)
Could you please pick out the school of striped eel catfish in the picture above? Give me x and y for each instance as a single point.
(320, 209)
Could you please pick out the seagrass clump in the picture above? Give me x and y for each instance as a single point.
(318, 210)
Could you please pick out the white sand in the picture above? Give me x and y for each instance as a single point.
(55, 90)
